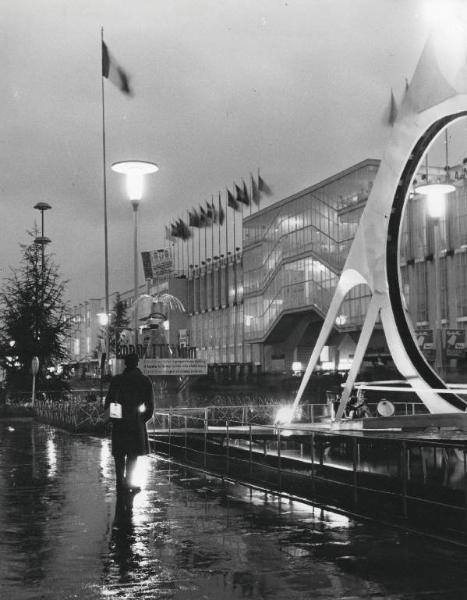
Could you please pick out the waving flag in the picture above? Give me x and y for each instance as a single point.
(221, 211)
(263, 186)
(255, 191)
(112, 71)
(193, 218)
(231, 201)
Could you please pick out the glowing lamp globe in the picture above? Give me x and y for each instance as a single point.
(103, 318)
(436, 197)
(135, 170)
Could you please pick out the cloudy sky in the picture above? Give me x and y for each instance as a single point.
(297, 88)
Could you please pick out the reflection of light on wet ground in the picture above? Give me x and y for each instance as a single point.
(191, 537)
(141, 472)
(51, 450)
(333, 519)
(106, 460)
(292, 507)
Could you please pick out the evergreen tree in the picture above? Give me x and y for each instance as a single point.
(34, 318)
(118, 323)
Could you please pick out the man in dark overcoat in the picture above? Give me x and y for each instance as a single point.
(134, 392)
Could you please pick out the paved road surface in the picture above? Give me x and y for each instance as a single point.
(188, 537)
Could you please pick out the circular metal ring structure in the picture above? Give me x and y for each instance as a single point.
(393, 264)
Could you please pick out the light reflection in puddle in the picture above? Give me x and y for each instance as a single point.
(51, 457)
(188, 537)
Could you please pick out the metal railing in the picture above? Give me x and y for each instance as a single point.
(421, 482)
(77, 396)
(264, 414)
(75, 410)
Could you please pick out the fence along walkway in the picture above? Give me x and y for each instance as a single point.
(418, 480)
(79, 411)
(414, 480)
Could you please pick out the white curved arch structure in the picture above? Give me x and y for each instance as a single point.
(436, 96)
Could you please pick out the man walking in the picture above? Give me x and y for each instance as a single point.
(133, 391)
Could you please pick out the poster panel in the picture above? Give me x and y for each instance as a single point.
(173, 366)
(455, 343)
(425, 341)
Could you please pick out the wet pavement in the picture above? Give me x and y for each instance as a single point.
(188, 536)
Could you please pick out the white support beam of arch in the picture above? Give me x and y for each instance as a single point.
(362, 345)
(436, 96)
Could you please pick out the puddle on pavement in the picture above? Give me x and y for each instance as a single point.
(63, 535)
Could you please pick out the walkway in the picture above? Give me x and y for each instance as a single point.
(189, 537)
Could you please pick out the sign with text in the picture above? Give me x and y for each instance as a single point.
(157, 263)
(455, 342)
(173, 366)
(426, 343)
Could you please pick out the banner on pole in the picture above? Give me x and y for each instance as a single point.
(157, 263)
(174, 366)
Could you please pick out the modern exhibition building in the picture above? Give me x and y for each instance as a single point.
(259, 307)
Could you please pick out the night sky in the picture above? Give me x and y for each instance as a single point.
(297, 88)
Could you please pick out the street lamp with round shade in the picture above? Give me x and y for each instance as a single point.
(436, 194)
(435, 197)
(134, 171)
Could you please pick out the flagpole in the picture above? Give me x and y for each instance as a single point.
(188, 247)
(199, 247)
(213, 210)
(212, 227)
(226, 228)
(183, 257)
(259, 195)
(234, 219)
(193, 249)
(219, 225)
(106, 234)
(205, 241)
(226, 287)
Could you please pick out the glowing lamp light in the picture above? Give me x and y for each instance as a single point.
(135, 170)
(436, 197)
(297, 368)
(341, 320)
(284, 415)
(103, 318)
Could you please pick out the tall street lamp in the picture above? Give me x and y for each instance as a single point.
(135, 170)
(42, 240)
(436, 194)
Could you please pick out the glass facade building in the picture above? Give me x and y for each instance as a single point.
(215, 306)
(263, 305)
(293, 253)
(433, 255)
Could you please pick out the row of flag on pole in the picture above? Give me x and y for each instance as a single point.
(210, 214)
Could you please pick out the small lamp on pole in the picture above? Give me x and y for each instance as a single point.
(135, 170)
(42, 240)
